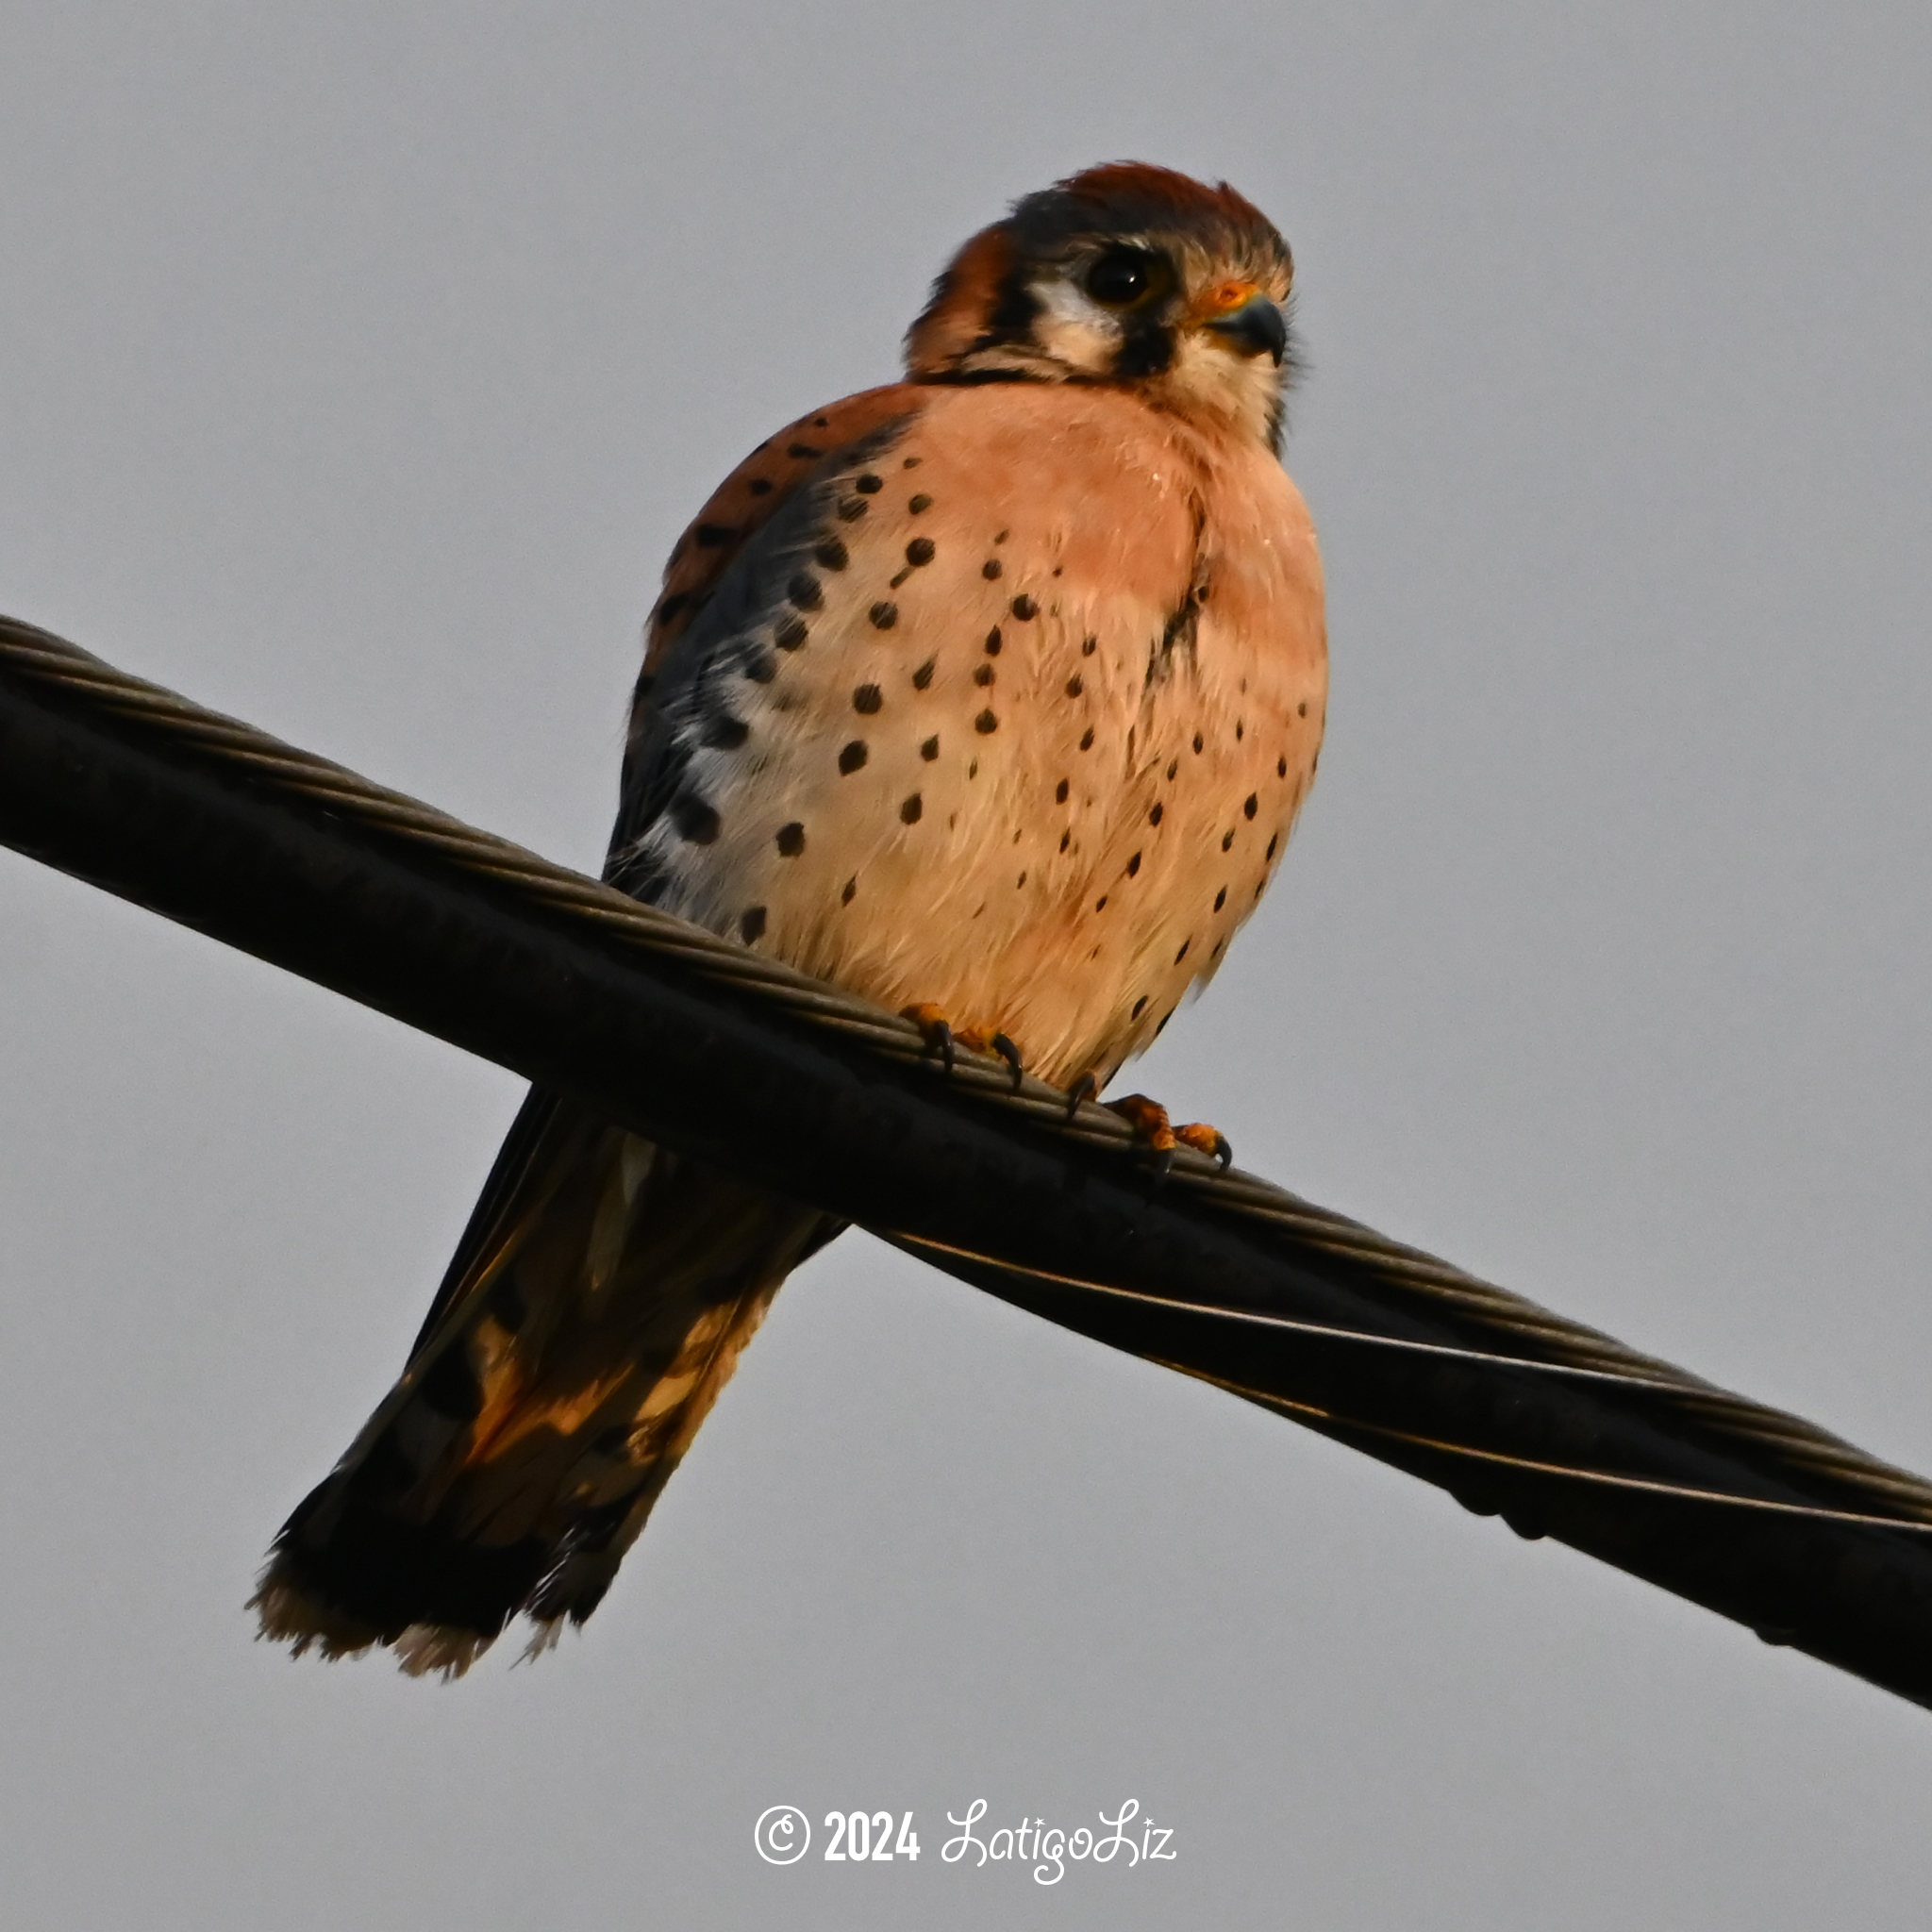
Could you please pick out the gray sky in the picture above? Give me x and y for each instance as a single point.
(359, 366)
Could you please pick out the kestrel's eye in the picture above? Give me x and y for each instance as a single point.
(1122, 277)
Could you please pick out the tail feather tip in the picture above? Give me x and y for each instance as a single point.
(286, 1614)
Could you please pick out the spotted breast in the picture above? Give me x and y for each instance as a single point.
(1008, 709)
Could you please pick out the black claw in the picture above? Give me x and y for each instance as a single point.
(943, 1038)
(1224, 1152)
(1085, 1088)
(1011, 1054)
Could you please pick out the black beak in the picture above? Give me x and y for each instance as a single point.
(1257, 327)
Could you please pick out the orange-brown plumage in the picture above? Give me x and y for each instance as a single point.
(964, 297)
(994, 692)
(741, 506)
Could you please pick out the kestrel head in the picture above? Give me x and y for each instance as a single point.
(1125, 275)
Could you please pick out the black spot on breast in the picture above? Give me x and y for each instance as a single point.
(985, 723)
(1174, 765)
(804, 592)
(696, 821)
(1088, 645)
(1059, 792)
(867, 699)
(869, 485)
(831, 553)
(804, 452)
(1100, 904)
(972, 772)
(850, 892)
(759, 486)
(1066, 840)
(1227, 839)
(1220, 900)
(751, 923)
(1183, 952)
(1272, 844)
(714, 536)
(884, 615)
(759, 665)
(1281, 768)
(1198, 743)
(984, 674)
(853, 757)
(929, 750)
(851, 508)
(1074, 686)
(909, 812)
(900, 579)
(1133, 865)
(725, 733)
(1139, 1007)
(1250, 805)
(1087, 738)
(791, 634)
(922, 677)
(672, 606)
(920, 550)
(1154, 817)
(1002, 536)
(1024, 609)
(1301, 710)
(919, 504)
(989, 568)
(994, 642)
(821, 421)
(790, 840)
(911, 462)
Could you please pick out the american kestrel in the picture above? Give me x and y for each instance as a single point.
(990, 695)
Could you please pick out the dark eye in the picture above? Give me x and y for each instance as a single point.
(1120, 277)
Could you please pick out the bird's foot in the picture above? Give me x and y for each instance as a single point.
(1086, 1088)
(1152, 1128)
(941, 1037)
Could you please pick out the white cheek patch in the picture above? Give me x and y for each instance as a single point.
(1075, 328)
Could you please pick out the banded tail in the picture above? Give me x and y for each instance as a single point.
(596, 1306)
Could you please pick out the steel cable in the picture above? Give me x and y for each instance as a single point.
(678, 1033)
(1540, 1337)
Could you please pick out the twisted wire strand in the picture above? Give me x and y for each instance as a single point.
(1906, 1490)
(1526, 1334)
(1603, 1478)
